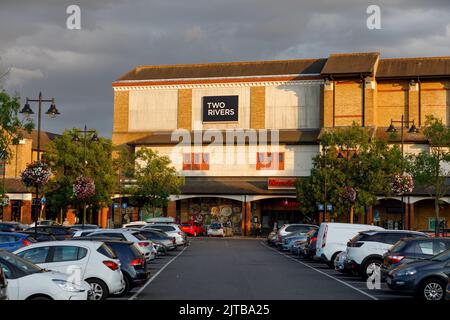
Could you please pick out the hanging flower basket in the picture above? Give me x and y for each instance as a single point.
(402, 183)
(349, 194)
(84, 188)
(37, 174)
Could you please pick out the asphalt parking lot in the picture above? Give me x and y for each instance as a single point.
(229, 268)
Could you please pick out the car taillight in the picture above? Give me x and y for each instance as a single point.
(313, 239)
(395, 259)
(180, 233)
(174, 241)
(111, 264)
(143, 244)
(137, 262)
(26, 242)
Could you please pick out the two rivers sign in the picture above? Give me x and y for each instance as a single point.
(220, 108)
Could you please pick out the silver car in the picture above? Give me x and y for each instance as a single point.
(3, 285)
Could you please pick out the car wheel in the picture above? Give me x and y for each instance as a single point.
(40, 298)
(127, 287)
(371, 266)
(99, 289)
(432, 290)
(333, 257)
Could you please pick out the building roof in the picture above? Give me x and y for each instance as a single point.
(46, 137)
(414, 67)
(301, 136)
(226, 69)
(382, 134)
(351, 64)
(337, 65)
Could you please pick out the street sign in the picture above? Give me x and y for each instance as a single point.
(124, 205)
(329, 207)
(36, 202)
(43, 200)
(116, 206)
(320, 207)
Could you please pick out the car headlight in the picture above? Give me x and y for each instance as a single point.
(68, 286)
(406, 272)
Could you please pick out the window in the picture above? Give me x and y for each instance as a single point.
(68, 253)
(164, 228)
(8, 239)
(36, 255)
(425, 247)
(392, 238)
(195, 161)
(270, 161)
(107, 251)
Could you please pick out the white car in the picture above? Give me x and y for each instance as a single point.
(215, 229)
(333, 238)
(134, 224)
(171, 229)
(145, 246)
(365, 251)
(288, 229)
(27, 281)
(91, 261)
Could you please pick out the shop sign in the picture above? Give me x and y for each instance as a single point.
(281, 183)
(220, 108)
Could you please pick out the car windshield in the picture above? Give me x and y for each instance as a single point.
(139, 236)
(22, 264)
(443, 256)
(399, 246)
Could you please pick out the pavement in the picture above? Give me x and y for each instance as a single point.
(248, 269)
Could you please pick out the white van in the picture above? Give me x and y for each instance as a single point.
(333, 238)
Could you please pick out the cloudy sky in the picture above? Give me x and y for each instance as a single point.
(78, 66)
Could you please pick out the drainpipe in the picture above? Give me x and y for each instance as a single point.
(334, 99)
(363, 100)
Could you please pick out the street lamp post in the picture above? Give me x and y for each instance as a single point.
(340, 155)
(411, 129)
(94, 138)
(52, 112)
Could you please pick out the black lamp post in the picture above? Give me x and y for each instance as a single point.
(412, 129)
(94, 138)
(52, 112)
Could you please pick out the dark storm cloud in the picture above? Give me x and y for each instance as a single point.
(77, 67)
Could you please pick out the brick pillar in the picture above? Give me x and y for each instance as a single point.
(370, 112)
(413, 104)
(7, 216)
(185, 109)
(248, 221)
(26, 212)
(135, 214)
(103, 217)
(257, 107)
(172, 209)
(369, 215)
(328, 105)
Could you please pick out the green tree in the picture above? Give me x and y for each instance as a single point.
(430, 169)
(66, 158)
(155, 180)
(12, 127)
(350, 157)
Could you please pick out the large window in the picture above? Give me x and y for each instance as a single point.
(196, 161)
(270, 161)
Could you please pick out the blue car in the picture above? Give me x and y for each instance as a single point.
(12, 241)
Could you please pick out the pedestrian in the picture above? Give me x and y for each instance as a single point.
(258, 229)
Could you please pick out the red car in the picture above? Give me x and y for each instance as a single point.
(192, 229)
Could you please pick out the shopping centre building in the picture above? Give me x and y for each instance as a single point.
(242, 132)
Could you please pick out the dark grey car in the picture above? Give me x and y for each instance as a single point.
(3, 285)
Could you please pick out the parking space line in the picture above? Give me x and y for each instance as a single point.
(134, 297)
(324, 273)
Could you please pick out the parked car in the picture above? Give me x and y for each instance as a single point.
(412, 249)
(426, 279)
(27, 281)
(159, 236)
(41, 236)
(45, 223)
(96, 263)
(193, 229)
(59, 232)
(290, 239)
(3, 285)
(333, 237)
(132, 262)
(365, 250)
(289, 229)
(310, 247)
(77, 227)
(135, 224)
(432, 233)
(171, 229)
(339, 262)
(272, 238)
(12, 241)
(215, 229)
(12, 226)
(145, 246)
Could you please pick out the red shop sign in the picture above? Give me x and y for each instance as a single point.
(281, 183)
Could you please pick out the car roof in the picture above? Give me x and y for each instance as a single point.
(111, 230)
(13, 234)
(101, 239)
(425, 239)
(372, 232)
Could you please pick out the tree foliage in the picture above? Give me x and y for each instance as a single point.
(66, 158)
(350, 157)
